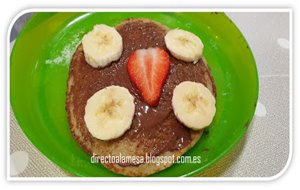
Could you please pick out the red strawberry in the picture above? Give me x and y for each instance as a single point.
(148, 70)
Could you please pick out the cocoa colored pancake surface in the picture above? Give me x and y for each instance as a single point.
(155, 131)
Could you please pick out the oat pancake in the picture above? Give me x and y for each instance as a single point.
(155, 130)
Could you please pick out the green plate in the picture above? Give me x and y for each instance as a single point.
(39, 70)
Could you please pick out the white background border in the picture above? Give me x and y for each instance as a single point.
(246, 178)
(10, 8)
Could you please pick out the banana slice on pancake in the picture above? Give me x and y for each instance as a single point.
(193, 105)
(184, 45)
(102, 46)
(109, 112)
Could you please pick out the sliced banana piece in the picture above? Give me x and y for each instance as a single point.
(193, 105)
(109, 112)
(184, 45)
(102, 45)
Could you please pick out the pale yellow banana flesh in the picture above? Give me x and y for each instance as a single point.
(102, 45)
(184, 45)
(193, 105)
(109, 112)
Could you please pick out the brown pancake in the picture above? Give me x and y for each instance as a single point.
(155, 130)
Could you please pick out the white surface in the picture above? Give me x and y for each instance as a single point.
(284, 43)
(18, 162)
(264, 150)
(261, 110)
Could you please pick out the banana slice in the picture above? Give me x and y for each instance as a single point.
(109, 112)
(184, 45)
(102, 45)
(193, 105)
